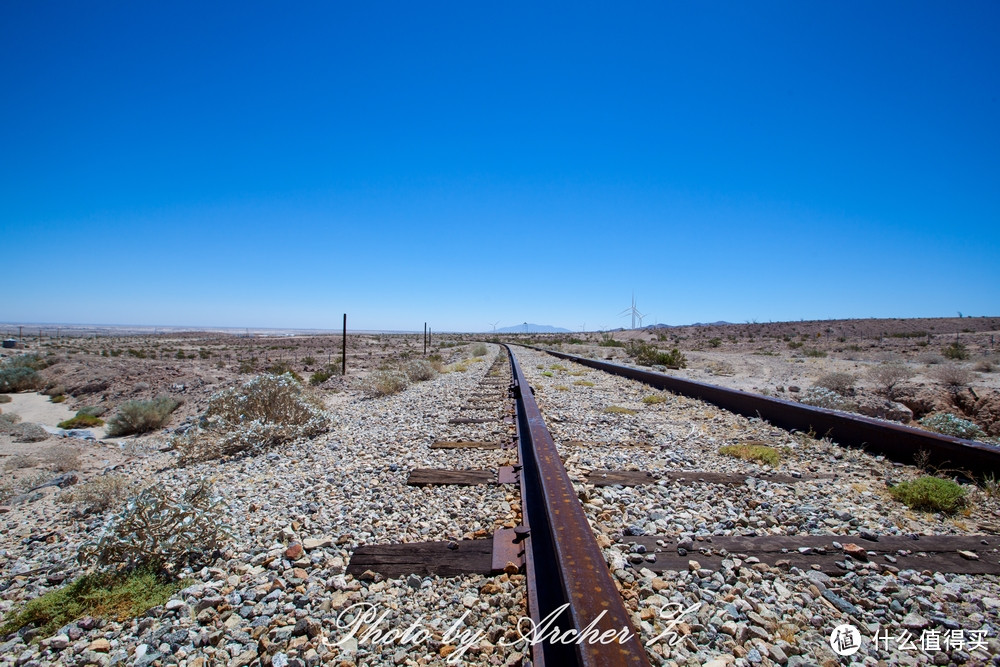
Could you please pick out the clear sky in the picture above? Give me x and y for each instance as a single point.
(279, 164)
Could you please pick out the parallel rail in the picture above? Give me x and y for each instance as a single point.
(564, 565)
(895, 441)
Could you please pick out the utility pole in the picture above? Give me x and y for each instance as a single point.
(425, 339)
(343, 358)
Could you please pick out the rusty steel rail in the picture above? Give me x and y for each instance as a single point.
(895, 441)
(563, 563)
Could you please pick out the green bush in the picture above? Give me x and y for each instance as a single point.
(813, 352)
(418, 370)
(930, 494)
(751, 452)
(479, 350)
(386, 382)
(20, 373)
(842, 383)
(650, 355)
(114, 596)
(141, 416)
(609, 341)
(956, 351)
(714, 342)
(81, 421)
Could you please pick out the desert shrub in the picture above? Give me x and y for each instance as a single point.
(81, 420)
(794, 345)
(714, 342)
(479, 350)
(247, 366)
(842, 383)
(4, 398)
(949, 424)
(98, 494)
(653, 399)
(953, 375)
(930, 358)
(265, 411)
(813, 352)
(749, 452)
(141, 416)
(113, 596)
(418, 370)
(821, 397)
(159, 530)
(609, 341)
(387, 382)
(956, 351)
(62, 459)
(320, 376)
(309, 361)
(18, 377)
(983, 366)
(888, 376)
(930, 494)
(650, 355)
(57, 398)
(618, 410)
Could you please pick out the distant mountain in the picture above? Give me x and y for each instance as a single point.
(696, 324)
(532, 328)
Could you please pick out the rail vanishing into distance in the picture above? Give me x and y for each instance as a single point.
(564, 566)
(895, 441)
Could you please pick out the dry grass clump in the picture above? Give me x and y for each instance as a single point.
(842, 383)
(158, 530)
(750, 452)
(141, 416)
(98, 494)
(62, 458)
(478, 350)
(888, 376)
(385, 383)
(418, 370)
(653, 399)
(953, 375)
(618, 410)
(584, 383)
(262, 412)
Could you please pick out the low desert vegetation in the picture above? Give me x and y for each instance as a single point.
(20, 373)
(930, 494)
(137, 417)
(81, 420)
(956, 351)
(324, 374)
(752, 452)
(584, 383)
(4, 398)
(821, 397)
(953, 375)
(650, 355)
(653, 399)
(113, 596)
(618, 410)
(265, 411)
(842, 383)
(949, 424)
(888, 376)
(98, 494)
(478, 350)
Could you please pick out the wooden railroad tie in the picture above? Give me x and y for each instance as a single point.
(639, 477)
(428, 476)
(957, 554)
(504, 552)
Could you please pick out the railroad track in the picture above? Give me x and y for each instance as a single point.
(589, 566)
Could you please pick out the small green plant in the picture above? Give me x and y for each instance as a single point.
(584, 383)
(948, 424)
(138, 354)
(141, 416)
(81, 420)
(650, 355)
(653, 399)
(607, 340)
(247, 366)
(618, 410)
(548, 374)
(558, 367)
(114, 596)
(752, 452)
(714, 342)
(956, 351)
(794, 345)
(309, 361)
(930, 494)
(57, 398)
(561, 387)
(813, 352)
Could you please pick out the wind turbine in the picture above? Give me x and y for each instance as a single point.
(583, 327)
(494, 325)
(633, 311)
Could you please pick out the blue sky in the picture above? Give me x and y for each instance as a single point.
(250, 164)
